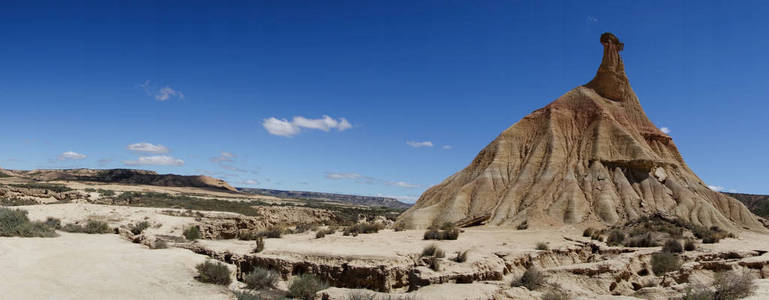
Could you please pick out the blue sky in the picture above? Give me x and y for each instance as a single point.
(365, 97)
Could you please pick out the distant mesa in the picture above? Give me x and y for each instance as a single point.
(590, 157)
(125, 176)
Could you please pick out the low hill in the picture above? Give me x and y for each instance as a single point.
(125, 176)
(352, 199)
(758, 204)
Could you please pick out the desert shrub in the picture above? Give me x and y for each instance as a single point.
(90, 227)
(14, 222)
(138, 228)
(665, 262)
(192, 233)
(53, 222)
(447, 232)
(555, 294)
(301, 228)
(159, 244)
(259, 245)
(432, 234)
(400, 226)
(588, 232)
(672, 246)
(432, 250)
(106, 193)
(689, 245)
(273, 232)
(54, 187)
(16, 201)
(641, 241)
(615, 238)
(261, 278)
(733, 285)
(531, 279)
(434, 263)
(323, 233)
(523, 226)
(362, 228)
(461, 256)
(596, 236)
(240, 295)
(439, 253)
(213, 272)
(542, 246)
(305, 286)
(361, 295)
(710, 240)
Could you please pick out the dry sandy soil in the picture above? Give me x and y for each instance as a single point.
(105, 266)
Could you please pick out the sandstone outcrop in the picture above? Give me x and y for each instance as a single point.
(591, 156)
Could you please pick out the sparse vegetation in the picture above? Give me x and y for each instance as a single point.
(16, 201)
(56, 188)
(259, 245)
(542, 246)
(432, 250)
(138, 228)
(698, 292)
(261, 278)
(322, 233)
(192, 233)
(665, 262)
(672, 246)
(90, 227)
(400, 226)
(273, 232)
(588, 232)
(461, 256)
(213, 272)
(523, 226)
(361, 228)
(641, 241)
(733, 285)
(434, 263)
(448, 231)
(159, 244)
(14, 222)
(531, 279)
(689, 245)
(361, 295)
(240, 295)
(305, 286)
(616, 237)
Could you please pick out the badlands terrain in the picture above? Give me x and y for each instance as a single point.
(582, 199)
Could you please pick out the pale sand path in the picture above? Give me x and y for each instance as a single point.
(82, 266)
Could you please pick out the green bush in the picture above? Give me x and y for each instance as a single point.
(305, 286)
(14, 222)
(531, 279)
(542, 246)
(261, 278)
(192, 233)
(90, 227)
(672, 246)
(138, 228)
(665, 262)
(213, 272)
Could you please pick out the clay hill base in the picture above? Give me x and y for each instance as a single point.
(590, 157)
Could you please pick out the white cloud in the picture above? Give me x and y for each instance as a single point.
(343, 175)
(447, 147)
(163, 94)
(283, 127)
(157, 160)
(147, 147)
(224, 156)
(716, 188)
(665, 130)
(419, 144)
(70, 155)
(250, 182)
(592, 19)
(404, 184)
(407, 199)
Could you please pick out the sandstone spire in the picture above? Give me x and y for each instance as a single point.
(591, 156)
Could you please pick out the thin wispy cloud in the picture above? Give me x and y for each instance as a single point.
(591, 19)
(447, 147)
(419, 144)
(71, 155)
(358, 178)
(157, 160)
(286, 128)
(719, 188)
(225, 160)
(665, 130)
(148, 148)
(224, 156)
(162, 94)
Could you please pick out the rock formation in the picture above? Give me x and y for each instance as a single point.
(591, 156)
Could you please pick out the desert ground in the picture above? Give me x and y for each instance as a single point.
(386, 264)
